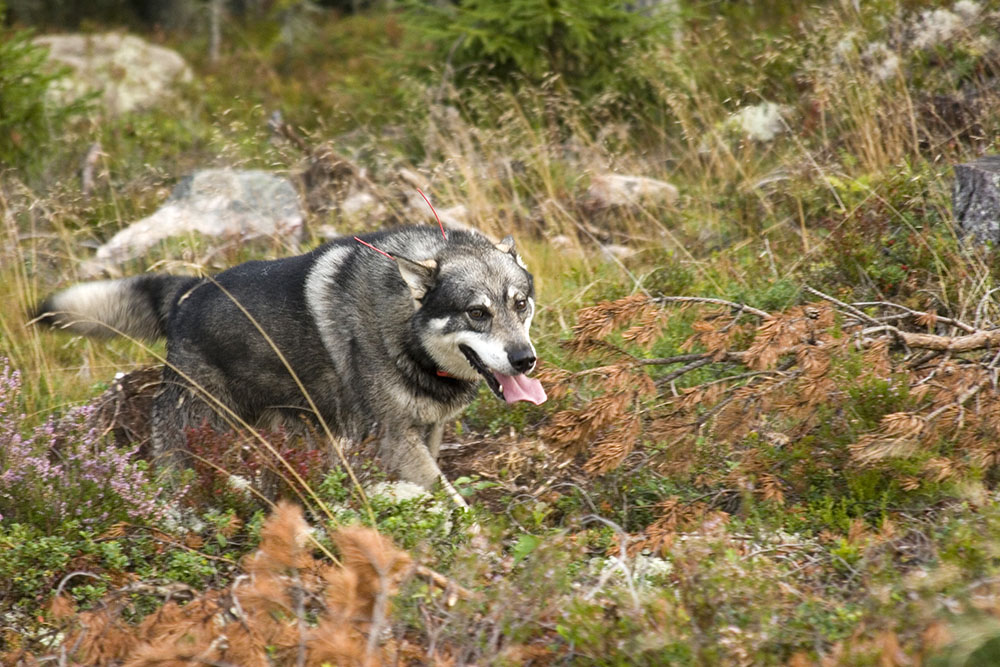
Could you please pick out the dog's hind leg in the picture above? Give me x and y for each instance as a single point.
(177, 408)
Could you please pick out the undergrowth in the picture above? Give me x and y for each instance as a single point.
(771, 433)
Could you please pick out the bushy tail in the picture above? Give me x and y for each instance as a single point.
(136, 307)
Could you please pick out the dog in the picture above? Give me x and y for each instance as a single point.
(387, 335)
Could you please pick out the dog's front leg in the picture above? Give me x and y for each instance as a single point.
(435, 433)
(408, 454)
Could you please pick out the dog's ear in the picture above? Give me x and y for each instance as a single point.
(419, 275)
(507, 246)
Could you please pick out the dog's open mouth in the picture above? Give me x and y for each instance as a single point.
(511, 388)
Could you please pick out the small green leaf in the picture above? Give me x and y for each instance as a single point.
(526, 543)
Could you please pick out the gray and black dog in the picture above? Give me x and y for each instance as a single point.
(385, 348)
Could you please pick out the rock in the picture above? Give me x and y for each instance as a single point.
(976, 199)
(609, 189)
(221, 203)
(362, 202)
(613, 251)
(398, 492)
(129, 72)
(562, 242)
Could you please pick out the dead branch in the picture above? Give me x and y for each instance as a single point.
(958, 402)
(979, 340)
(737, 357)
(694, 365)
(917, 313)
(974, 340)
(846, 306)
(721, 302)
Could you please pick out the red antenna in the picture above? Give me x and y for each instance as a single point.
(434, 212)
(374, 248)
(383, 252)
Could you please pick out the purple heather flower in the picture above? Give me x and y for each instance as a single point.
(66, 469)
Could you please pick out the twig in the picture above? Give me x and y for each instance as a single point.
(443, 582)
(720, 302)
(300, 614)
(715, 409)
(619, 563)
(670, 377)
(736, 356)
(917, 362)
(846, 306)
(981, 306)
(87, 170)
(63, 652)
(966, 395)
(917, 313)
(156, 535)
(215, 8)
(76, 573)
(659, 361)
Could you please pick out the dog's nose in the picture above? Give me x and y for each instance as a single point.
(522, 359)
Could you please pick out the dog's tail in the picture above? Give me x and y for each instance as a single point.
(136, 307)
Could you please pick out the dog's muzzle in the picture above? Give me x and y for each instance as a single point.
(511, 388)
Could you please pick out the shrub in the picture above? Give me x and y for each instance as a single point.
(584, 43)
(67, 471)
(27, 119)
(227, 466)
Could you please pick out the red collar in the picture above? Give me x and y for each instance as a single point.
(444, 374)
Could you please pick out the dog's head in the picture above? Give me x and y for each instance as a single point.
(474, 306)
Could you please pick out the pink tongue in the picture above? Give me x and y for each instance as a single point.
(521, 388)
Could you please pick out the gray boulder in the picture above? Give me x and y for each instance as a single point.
(226, 204)
(129, 72)
(976, 199)
(609, 189)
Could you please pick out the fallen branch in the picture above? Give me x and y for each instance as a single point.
(974, 340)
(979, 340)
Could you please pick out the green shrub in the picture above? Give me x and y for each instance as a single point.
(586, 44)
(27, 119)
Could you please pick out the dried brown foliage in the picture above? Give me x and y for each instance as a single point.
(287, 608)
(772, 379)
(596, 323)
(673, 516)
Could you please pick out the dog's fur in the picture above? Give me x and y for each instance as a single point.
(382, 347)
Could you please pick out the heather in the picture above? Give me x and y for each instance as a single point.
(771, 434)
(66, 470)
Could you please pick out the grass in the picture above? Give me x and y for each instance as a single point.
(771, 546)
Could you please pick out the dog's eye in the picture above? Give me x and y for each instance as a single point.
(520, 305)
(478, 313)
